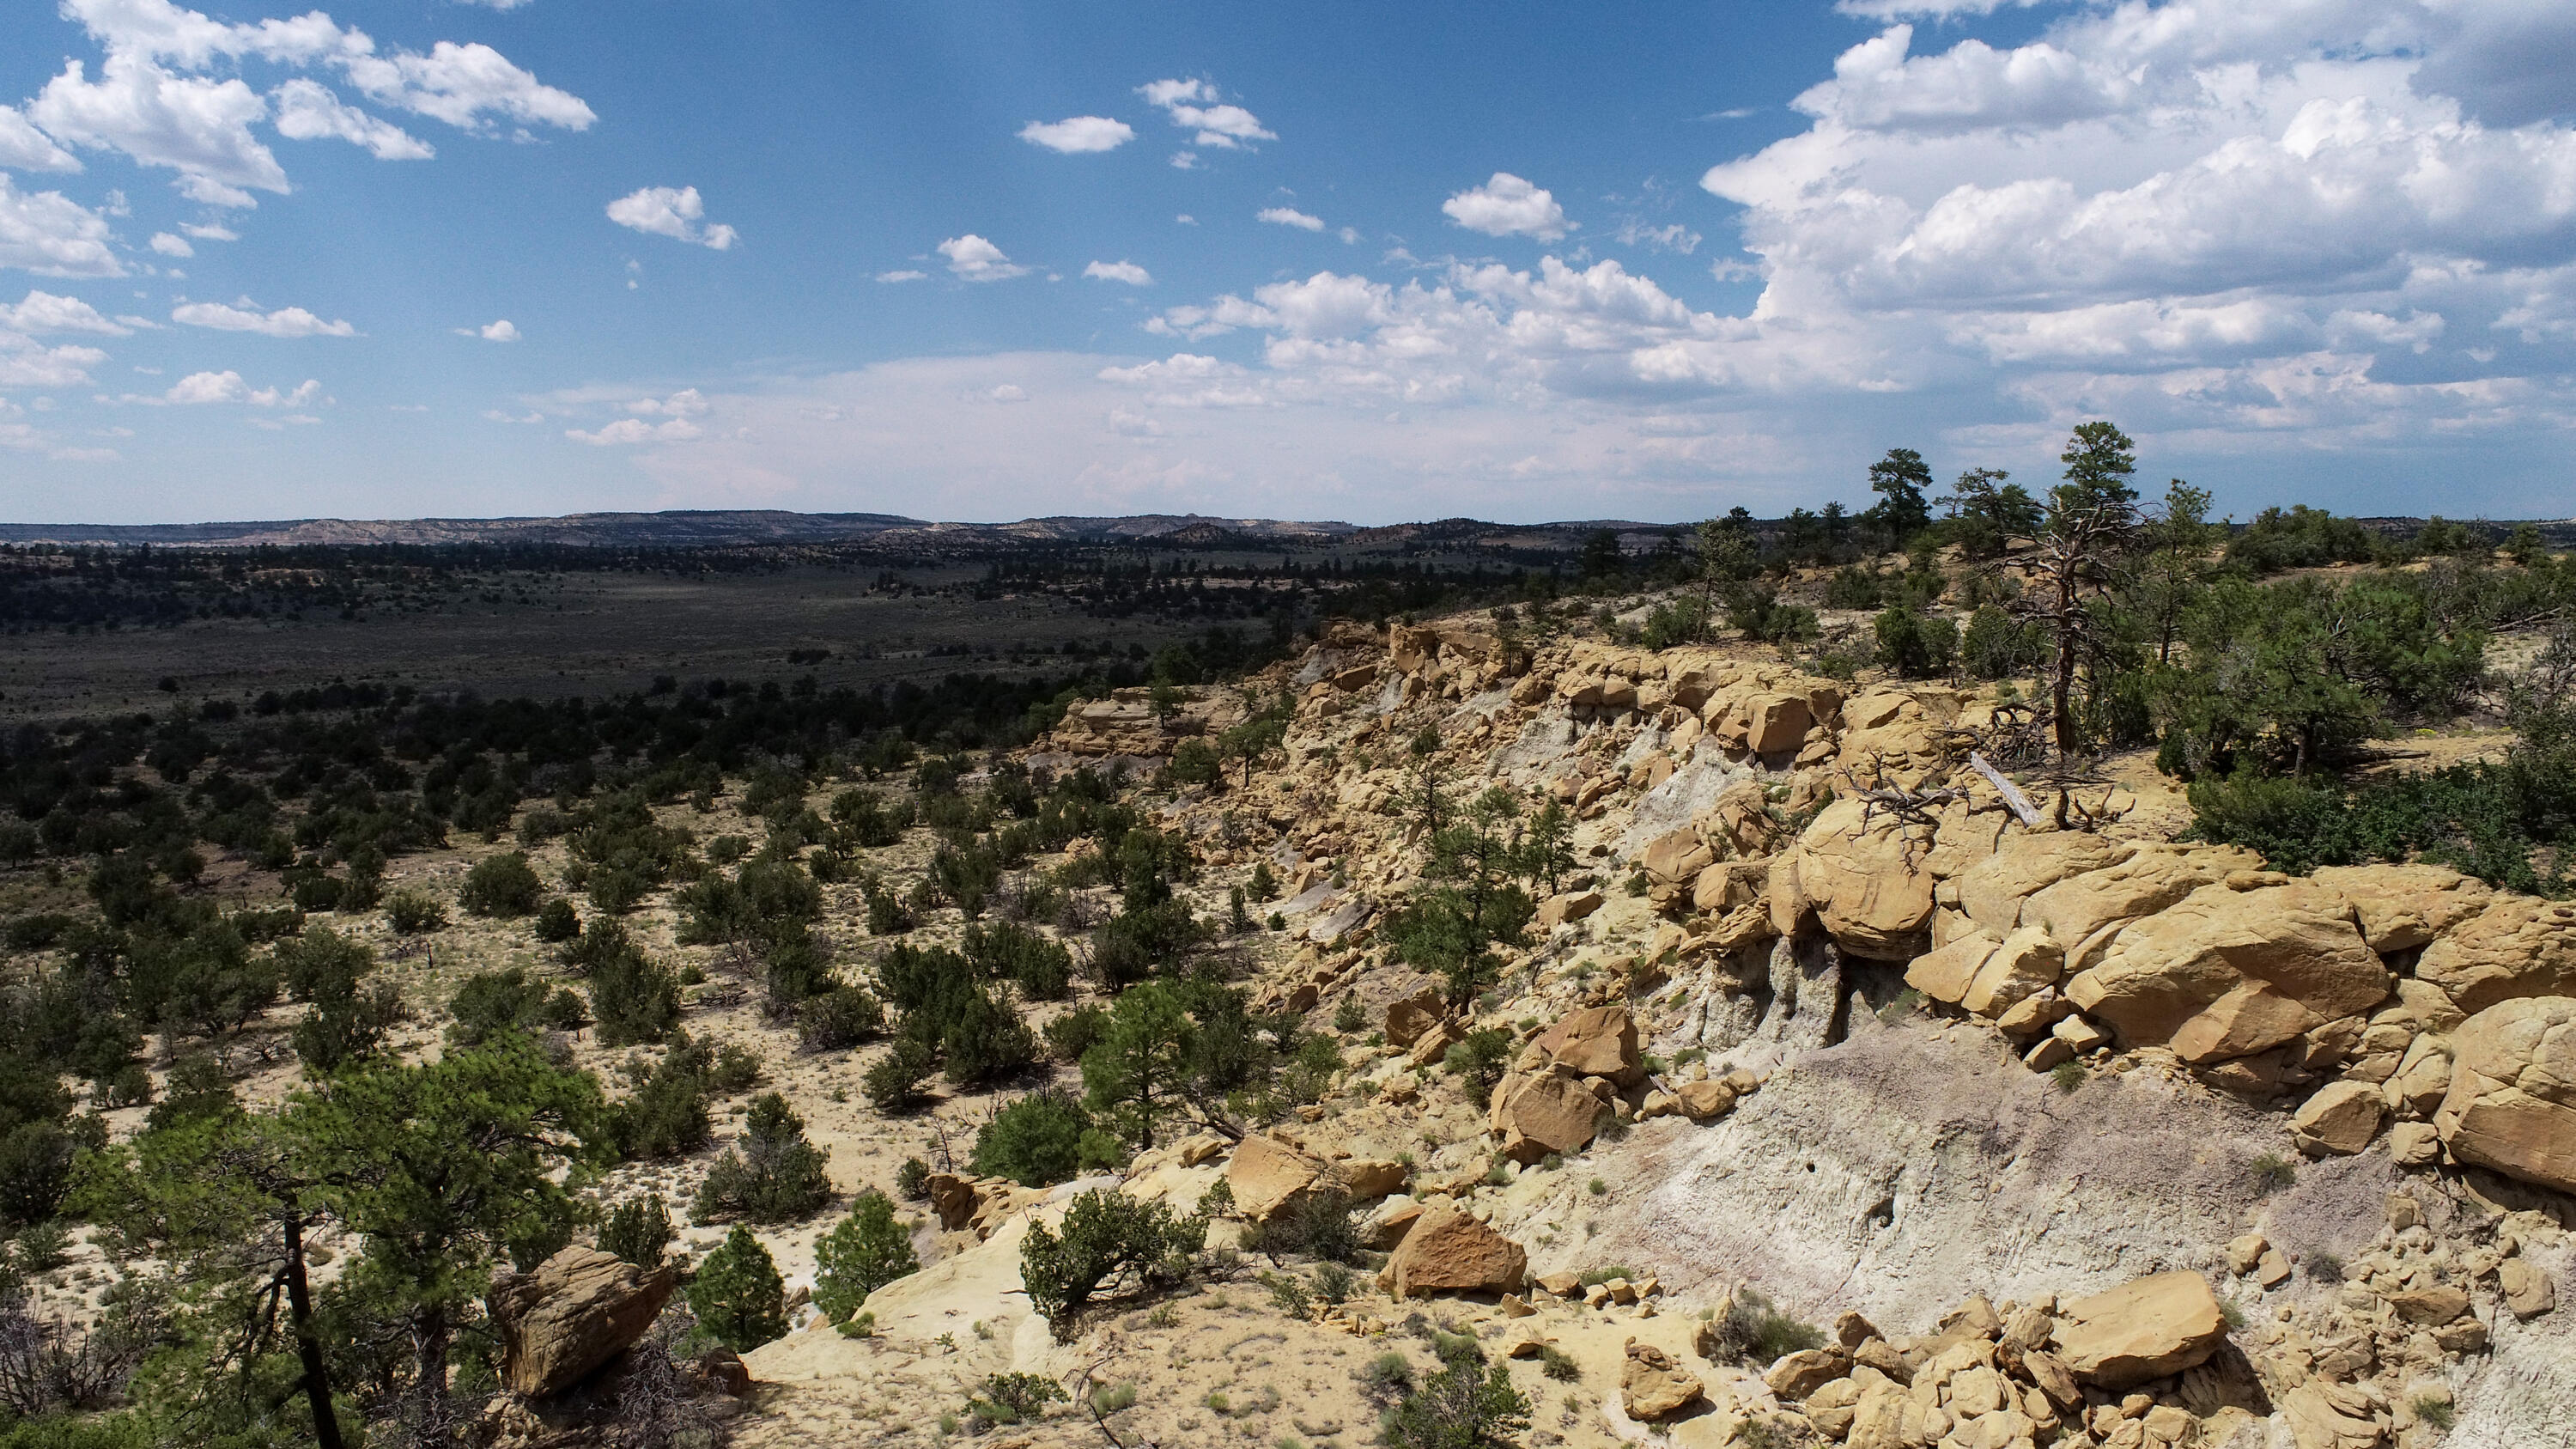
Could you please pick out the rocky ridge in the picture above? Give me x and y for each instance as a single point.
(1859, 1025)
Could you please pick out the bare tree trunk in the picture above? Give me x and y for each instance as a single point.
(308, 1346)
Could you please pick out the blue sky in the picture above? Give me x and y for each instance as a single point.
(1373, 262)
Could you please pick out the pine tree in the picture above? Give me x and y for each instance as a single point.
(862, 1253)
(737, 1294)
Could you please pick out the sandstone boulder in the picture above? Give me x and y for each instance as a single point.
(1435, 1043)
(2028, 962)
(1450, 1252)
(1366, 1179)
(1537, 1113)
(1557, 910)
(2224, 973)
(1388, 1222)
(578, 1310)
(1408, 1019)
(1776, 722)
(2340, 1119)
(953, 1199)
(2520, 946)
(2402, 907)
(2528, 1291)
(2323, 1414)
(2135, 885)
(2512, 1100)
(1865, 882)
(1675, 858)
(1946, 972)
(2143, 1329)
(1730, 884)
(1598, 1041)
(1795, 1375)
(1703, 1100)
(1992, 890)
(1268, 1177)
(1653, 1388)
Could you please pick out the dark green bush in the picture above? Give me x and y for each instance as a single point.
(639, 1230)
(411, 913)
(1077, 1031)
(737, 1294)
(557, 921)
(1108, 1241)
(1036, 1141)
(501, 885)
(1914, 644)
(1467, 1405)
(771, 1175)
(863, 1252)
(1041, 968)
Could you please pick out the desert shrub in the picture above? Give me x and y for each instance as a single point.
(557, 921)
(734, 1069)
(886, 912)
(1108, 1239)
(1076, 1032)
(863, 821)
(639, 1230)
(894, 1080)
(737, 1294)
(1753, 1330)
(1852, 587)
(1480, 1058)
(1042, 969)
(1914, 644)
(1320, 1225)
(1998, 646)
(863, 1252)
(1464, 1406)
(197, 1090)
(36, 1160)
(491, 1002)
(912, 1180)
(1134, 944)
(665, 1115)
(35, 932)
(346, 1023)
(1194, 762)
(501, 885)
(984, 1038)
(1014, 1398)
(633, 999)
(771, 1175)
(1385, 1378)
(1035, 1141)
(411, 913)
(840, 1018)
(966, 876)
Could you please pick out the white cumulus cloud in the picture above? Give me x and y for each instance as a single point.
(284, 322)
(906, 274)
(675, 212)
(28, 149)
(307, 111)
(46, 233)
(501, 331)
(974, 259)
(172, 246)
(1194, 105)
(1127, 272)
(1508, 206)
(200, 388)
(1078, 134)
(45, 312)
(156, 94)
(1289, 216)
